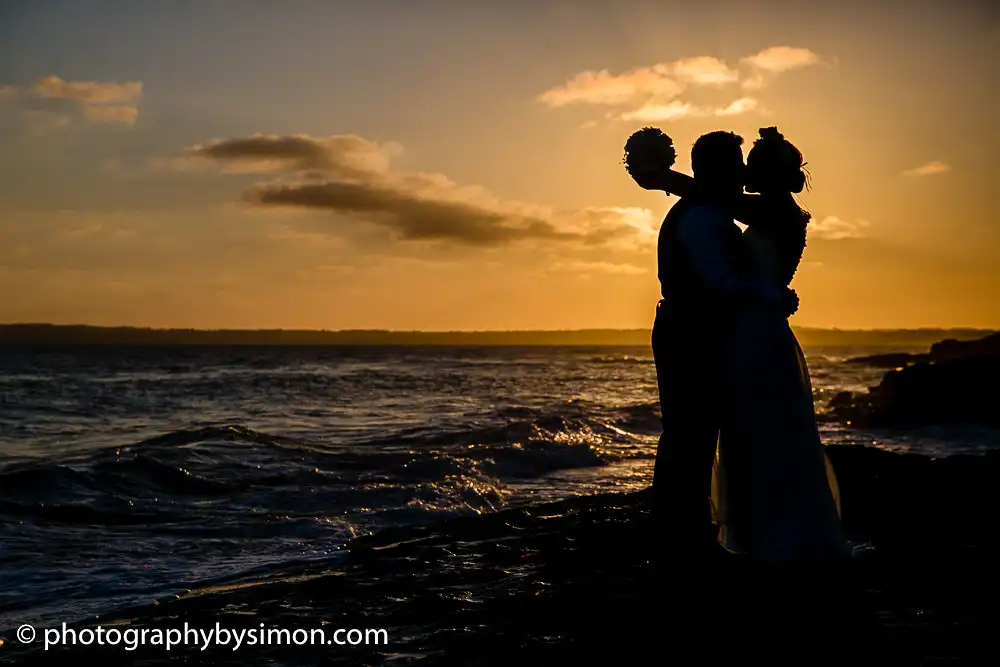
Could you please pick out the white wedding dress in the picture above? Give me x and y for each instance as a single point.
(774, 492)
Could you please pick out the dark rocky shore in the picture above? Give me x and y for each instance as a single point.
(581, 581)
(953, 383)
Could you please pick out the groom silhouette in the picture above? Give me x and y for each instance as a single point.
(702, 274)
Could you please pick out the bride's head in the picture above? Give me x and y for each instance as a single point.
(774, 165)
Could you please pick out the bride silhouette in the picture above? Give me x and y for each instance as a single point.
(774, 493)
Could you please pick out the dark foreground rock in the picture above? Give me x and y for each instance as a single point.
(585, 581)
(956, 382)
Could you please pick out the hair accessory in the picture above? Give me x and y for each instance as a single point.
(770, 133)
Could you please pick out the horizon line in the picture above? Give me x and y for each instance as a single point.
(465, 331)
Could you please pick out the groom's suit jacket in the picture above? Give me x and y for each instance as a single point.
(701, 261)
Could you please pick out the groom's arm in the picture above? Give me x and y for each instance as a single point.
(704, 231)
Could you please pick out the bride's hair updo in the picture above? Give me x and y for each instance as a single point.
(774, 164)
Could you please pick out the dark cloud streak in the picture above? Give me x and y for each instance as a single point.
(413, 216)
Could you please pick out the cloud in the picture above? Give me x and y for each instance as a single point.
(88, 92)
(263, 154)
(929, 169)
(737, 107)
(660, 82)
(677, 109)
(103, 102)
(655, 91)
(781, 59)
(410, 212)
(775, 60)
(415, 208)
(351, 176)
(832, 228)
(602, 87)
(704, 70)
(650, 113)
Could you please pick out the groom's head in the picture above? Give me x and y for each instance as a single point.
(717, 162)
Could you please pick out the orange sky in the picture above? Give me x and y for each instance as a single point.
(297, 166)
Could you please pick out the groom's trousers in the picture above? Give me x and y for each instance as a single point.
(688, 349)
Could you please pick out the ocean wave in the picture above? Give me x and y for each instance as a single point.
(134, 482)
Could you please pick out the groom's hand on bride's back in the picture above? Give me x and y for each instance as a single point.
(789, 302)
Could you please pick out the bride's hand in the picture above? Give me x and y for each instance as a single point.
(789, 302)
(650, 179)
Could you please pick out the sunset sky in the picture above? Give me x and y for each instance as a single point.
(451, 166)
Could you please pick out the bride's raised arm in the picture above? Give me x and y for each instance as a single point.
(675, 183)
(746, 208)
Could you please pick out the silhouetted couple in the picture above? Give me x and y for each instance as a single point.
(740, 461)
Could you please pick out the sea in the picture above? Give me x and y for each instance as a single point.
(129, 474)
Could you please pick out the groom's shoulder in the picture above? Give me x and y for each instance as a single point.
(703, 213)
(688, 207)
(701, 221)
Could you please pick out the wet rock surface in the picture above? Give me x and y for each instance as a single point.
(590, 580)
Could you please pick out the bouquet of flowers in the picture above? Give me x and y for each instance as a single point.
(648, 152)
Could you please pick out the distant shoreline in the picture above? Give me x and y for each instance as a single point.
(75, 335)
